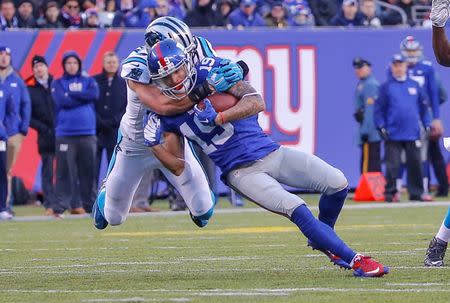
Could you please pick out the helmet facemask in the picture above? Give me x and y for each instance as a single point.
(412, 50)
(181, 89)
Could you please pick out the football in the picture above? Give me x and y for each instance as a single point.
(221, 101)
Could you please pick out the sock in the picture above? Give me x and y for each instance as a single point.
(320, 233)
(444, 230)
(330, 207)
(101, 201)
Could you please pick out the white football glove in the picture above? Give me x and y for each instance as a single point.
(440, 12)
(152, 130)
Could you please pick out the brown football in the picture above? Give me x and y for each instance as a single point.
(221, 102)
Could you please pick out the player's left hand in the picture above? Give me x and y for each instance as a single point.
(152, 130)
(217, 80)
(232, 72)
(440, 12)
(437, 130)
(206, 116)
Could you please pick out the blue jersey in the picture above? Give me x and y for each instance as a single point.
(229, 145)
(423, 72)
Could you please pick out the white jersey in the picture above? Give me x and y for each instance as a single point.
(135, 68)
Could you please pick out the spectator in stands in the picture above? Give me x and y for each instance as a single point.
(368, 137)
(277, 16)
(163, 8)
(246, 15)
(25, 14)
(70, 14)
(7, 115)
(201, 15)
(148, 13)
(110, 106)
(106, 5)
(176, 8)
(42, 120)
(349, 15)
(391, 16)
(22, 103)
(92, 18)
(369, 13)
(76, 143)
(399, 109)
(406, 6)
(51, 17)
(134, 17)
(323, 10)
(8, 17)
(224, 9)
(88, 4)
(302, 16)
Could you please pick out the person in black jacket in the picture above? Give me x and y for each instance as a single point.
(42, 120)
(111, 105)
(202, 15)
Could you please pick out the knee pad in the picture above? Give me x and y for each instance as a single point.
(336, 181)
(114, 217)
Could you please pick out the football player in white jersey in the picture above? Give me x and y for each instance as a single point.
(132, 157)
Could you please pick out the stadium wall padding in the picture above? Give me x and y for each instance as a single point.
(305, 76)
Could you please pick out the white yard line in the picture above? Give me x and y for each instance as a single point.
(236, 292)
(247, 210)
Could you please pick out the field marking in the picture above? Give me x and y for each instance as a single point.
(234, 292)
(253, 230)
(243, 210)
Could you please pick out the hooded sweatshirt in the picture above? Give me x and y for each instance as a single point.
(75, 96)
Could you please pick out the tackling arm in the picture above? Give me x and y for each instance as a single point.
(250, 103)
(441, 46)
(171, 153)
(152, 97)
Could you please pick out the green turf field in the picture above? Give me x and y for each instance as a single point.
(245, 256)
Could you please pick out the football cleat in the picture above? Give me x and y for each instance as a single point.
(99, 220)
(199, 222)
(366, 267)
(336, 260)
(435, 253)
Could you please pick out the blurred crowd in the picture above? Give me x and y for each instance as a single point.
(213, 13)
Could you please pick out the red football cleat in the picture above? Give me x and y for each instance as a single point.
(365, 266)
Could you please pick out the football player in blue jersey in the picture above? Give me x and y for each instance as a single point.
(422, 71)
(251, 163)
(132, 158)
(440, 13)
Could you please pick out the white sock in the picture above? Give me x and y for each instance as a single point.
(443, 233)
(426, 190)
(399, 185)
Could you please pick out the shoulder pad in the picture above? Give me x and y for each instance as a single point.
(134, 67)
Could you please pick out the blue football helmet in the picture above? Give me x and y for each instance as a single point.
(164, 59)
(411, 49)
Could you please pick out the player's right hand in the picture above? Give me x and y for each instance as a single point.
(152, 130)
(440, 12)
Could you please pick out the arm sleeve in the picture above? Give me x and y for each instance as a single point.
(25, 109)
(90, 94)
(433, 92)
(135, 68)
(424, 108)
(61, 99)
(380, 108)
(11, 114)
